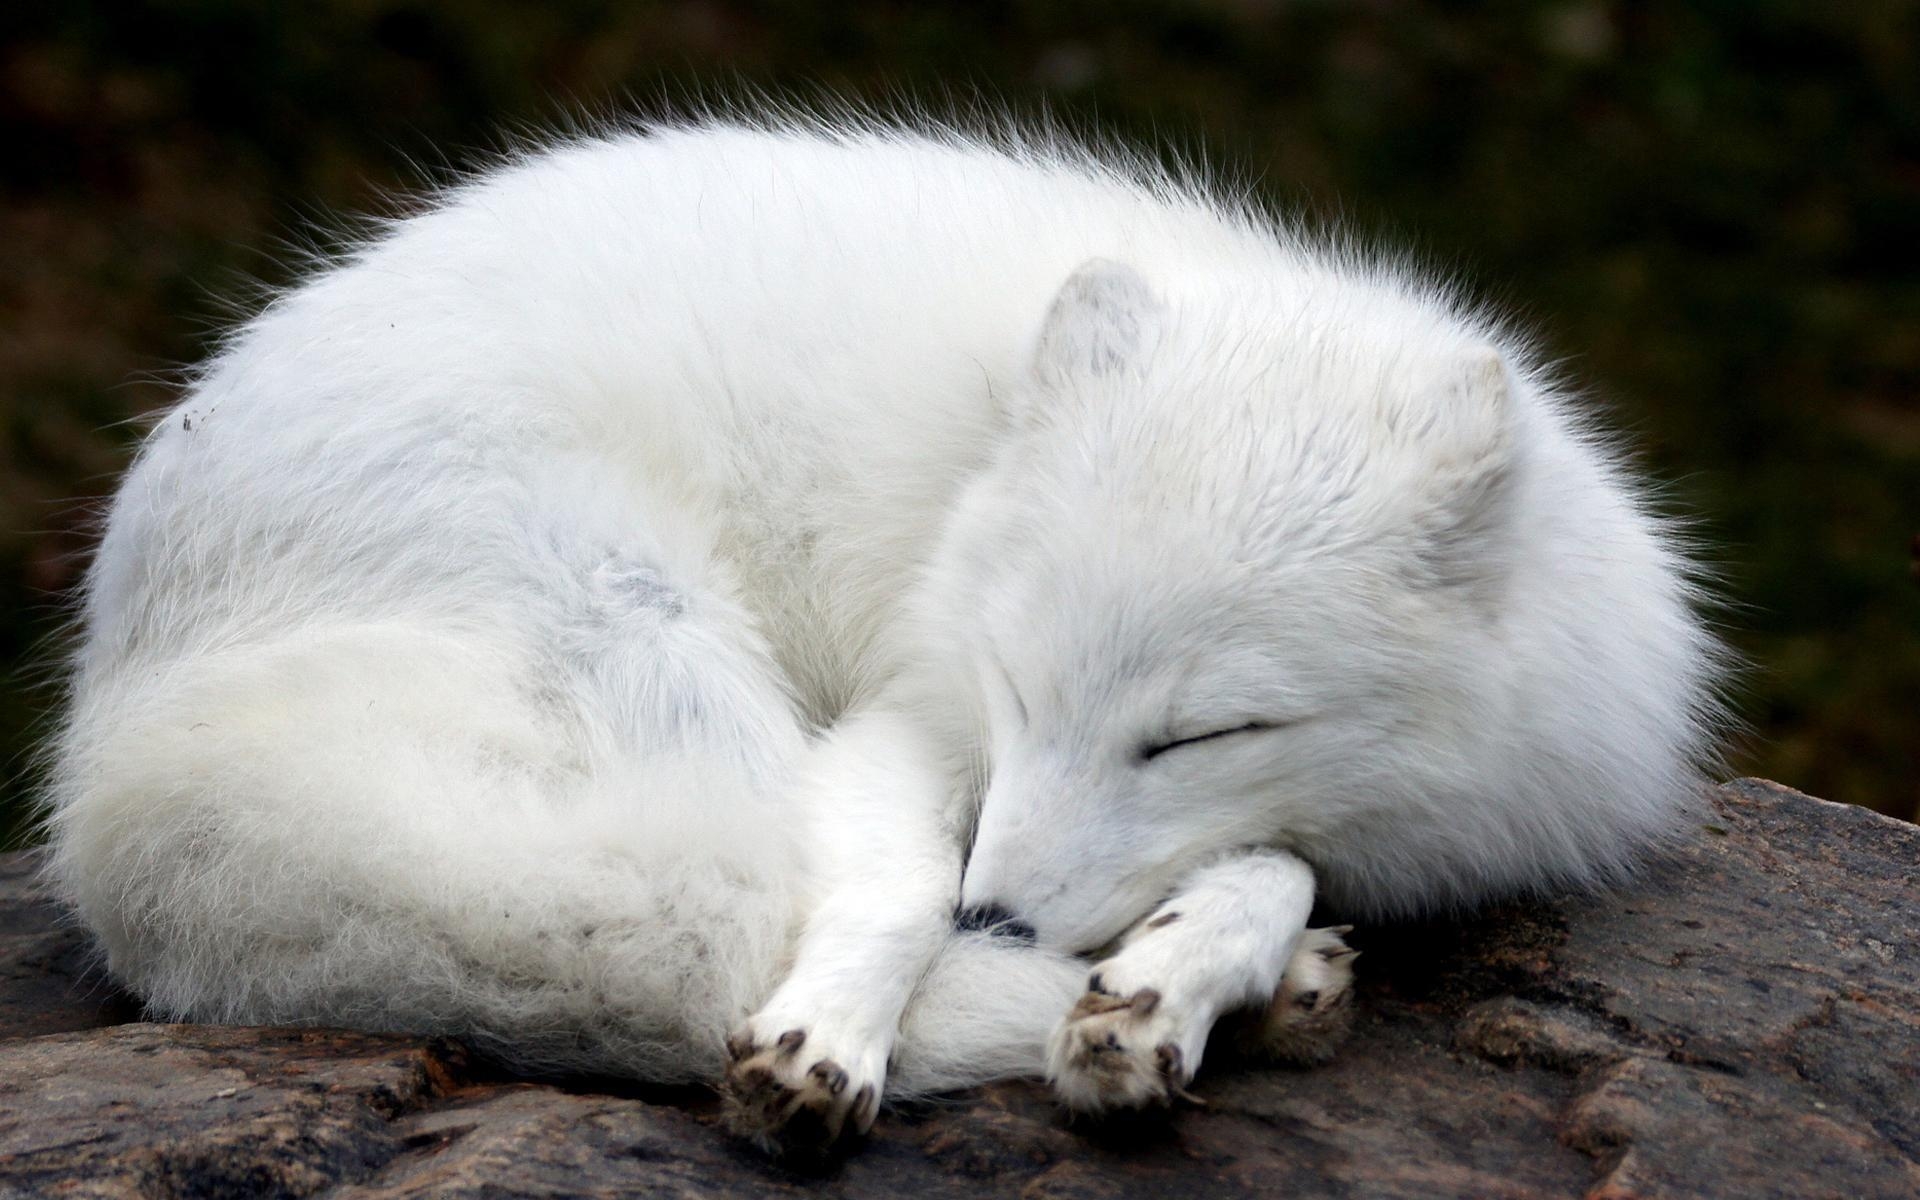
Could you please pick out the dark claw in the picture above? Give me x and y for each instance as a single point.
(831, 1074)
(791, 1040)
(1168, 1058)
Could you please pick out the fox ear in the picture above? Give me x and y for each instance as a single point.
(1104, 320)
(1470, 453)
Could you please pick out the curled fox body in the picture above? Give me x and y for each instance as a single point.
(624, 611)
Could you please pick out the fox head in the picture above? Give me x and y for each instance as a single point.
(1232, 565)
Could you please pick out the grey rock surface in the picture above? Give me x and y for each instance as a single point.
(1743, 1022)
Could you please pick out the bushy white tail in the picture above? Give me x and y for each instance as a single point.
(370, 826)
(984, 1011)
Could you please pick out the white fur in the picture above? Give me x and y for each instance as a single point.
(630, 583)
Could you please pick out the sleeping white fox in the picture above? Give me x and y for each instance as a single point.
(853, 611)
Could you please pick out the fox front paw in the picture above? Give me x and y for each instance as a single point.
(795, 1093)
(1117, 1051)
(1312, 1011)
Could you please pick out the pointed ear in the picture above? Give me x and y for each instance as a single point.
(1470, 460)
(1105, 319)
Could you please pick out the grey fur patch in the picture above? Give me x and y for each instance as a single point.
(640, 586)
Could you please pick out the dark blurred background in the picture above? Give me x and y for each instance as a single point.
(1710, 210)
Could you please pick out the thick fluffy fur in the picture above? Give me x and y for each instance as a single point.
(651, 573)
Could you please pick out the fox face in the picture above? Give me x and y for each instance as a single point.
(1226, 574)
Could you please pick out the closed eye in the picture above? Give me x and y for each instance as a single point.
(1150, 752)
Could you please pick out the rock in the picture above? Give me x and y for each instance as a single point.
(1744, 1022)
(47, 984)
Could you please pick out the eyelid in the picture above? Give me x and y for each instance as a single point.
(1151, 752)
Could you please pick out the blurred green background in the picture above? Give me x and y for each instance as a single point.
(1710, 210)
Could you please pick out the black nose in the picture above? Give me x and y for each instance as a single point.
(993, 919)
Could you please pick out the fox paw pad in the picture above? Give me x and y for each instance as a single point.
(1312, 1011)
(1118, 1052)
(787, 1101)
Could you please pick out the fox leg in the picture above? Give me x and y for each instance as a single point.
(812, 1063)
(1233, 937)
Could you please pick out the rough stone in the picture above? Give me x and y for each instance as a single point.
(1743, 1022)
(46, 985)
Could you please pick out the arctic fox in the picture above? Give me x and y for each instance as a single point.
(850, 610)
